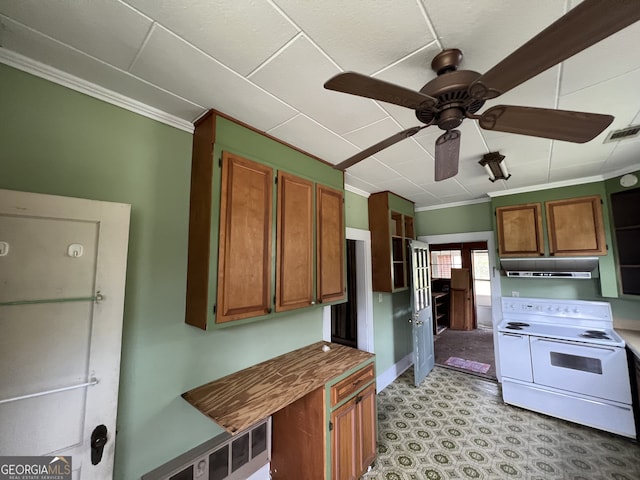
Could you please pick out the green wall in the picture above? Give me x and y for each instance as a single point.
(474, 217)
(356, 211)
(57, 141)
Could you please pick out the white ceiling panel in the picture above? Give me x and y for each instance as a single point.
(361, 35)
(575, 171)
(110, 31)
(240, 34)
(616, 55)
(303, 88)
(186, 72)
(315, 139)
(413, 71)
(488, 31)
(373, 171)
(372, 134)
(354, 181)
(265, 64)
(42, 48)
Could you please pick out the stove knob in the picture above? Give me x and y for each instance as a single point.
(575, 310)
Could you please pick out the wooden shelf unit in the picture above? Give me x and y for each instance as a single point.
(626, 218)
(440, 311)
(391, 225)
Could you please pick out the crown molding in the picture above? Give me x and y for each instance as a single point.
(547, 186)
(453, 204)
(622, 171)
(59, 77)
(357, 191)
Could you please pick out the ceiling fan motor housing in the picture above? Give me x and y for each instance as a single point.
(451, 88)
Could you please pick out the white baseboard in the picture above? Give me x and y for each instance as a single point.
(387, 377)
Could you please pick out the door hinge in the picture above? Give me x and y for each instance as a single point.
(215, 307)
(330, 426)
(220, 161)
(275, 180)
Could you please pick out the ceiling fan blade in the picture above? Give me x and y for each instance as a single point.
(578, 127)
(447, 155)
(364, 86)
(583, 26)
(387, 142)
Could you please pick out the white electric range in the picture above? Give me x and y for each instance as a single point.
(564, 359)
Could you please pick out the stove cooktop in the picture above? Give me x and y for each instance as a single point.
(580, 321)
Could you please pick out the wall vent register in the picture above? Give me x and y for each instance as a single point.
(224, 457)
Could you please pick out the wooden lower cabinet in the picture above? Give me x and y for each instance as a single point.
(341, 416)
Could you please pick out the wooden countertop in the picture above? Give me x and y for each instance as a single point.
(241, 399)
(631, 338)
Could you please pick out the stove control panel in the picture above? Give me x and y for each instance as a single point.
(557, 308)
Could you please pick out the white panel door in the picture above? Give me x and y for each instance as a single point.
(62, 275)
(421, 318)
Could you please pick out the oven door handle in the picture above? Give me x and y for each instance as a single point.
(596, 347)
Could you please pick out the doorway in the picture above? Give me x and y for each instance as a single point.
(363, 295)
(344, 316)
(470, 345)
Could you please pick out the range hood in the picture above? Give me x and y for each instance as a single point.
(550, 267)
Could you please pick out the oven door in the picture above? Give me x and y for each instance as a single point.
(594, 370)
(515, 359)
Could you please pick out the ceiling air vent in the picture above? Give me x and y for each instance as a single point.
(623, 134)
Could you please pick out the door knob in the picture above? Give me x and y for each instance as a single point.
(419, 322)
(98, 441)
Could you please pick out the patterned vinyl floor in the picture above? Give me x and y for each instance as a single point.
(455, 426)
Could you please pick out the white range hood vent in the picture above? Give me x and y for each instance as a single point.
(550, 267)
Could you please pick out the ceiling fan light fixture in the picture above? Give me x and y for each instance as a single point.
(495, 166)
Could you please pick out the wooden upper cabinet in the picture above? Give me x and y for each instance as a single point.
(330, 243)
(391, 229)
(575, 226)
(520, 230)
(244, 256)
(294, 257)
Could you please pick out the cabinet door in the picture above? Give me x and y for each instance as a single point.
(244, 253)
(330, 244)
(575, 226)
(344, 441)
(520, 230)
(367, 417)
(294, 258)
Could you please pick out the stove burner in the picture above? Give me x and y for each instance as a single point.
(517, 324)
(513, 327)
(599, 334)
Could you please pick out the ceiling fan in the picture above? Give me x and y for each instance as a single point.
(456, 94)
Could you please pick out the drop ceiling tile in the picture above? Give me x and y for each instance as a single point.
(400, 186)
(618, 97)
(418, 169)
(518, 149)
(374, 133)
(110, 31)
(575, 172)
(240, 34)
(489, 33)
(372, 171)
(624, 155)
(361, 36)
(605, 60)
(404, 151)
(315, 139)
(425, 200)
(43, 49)
(414, 71)
(444, 188)
(355, 182)
(459, 197)
(204, 81)
(539, 91)
(302, 88)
